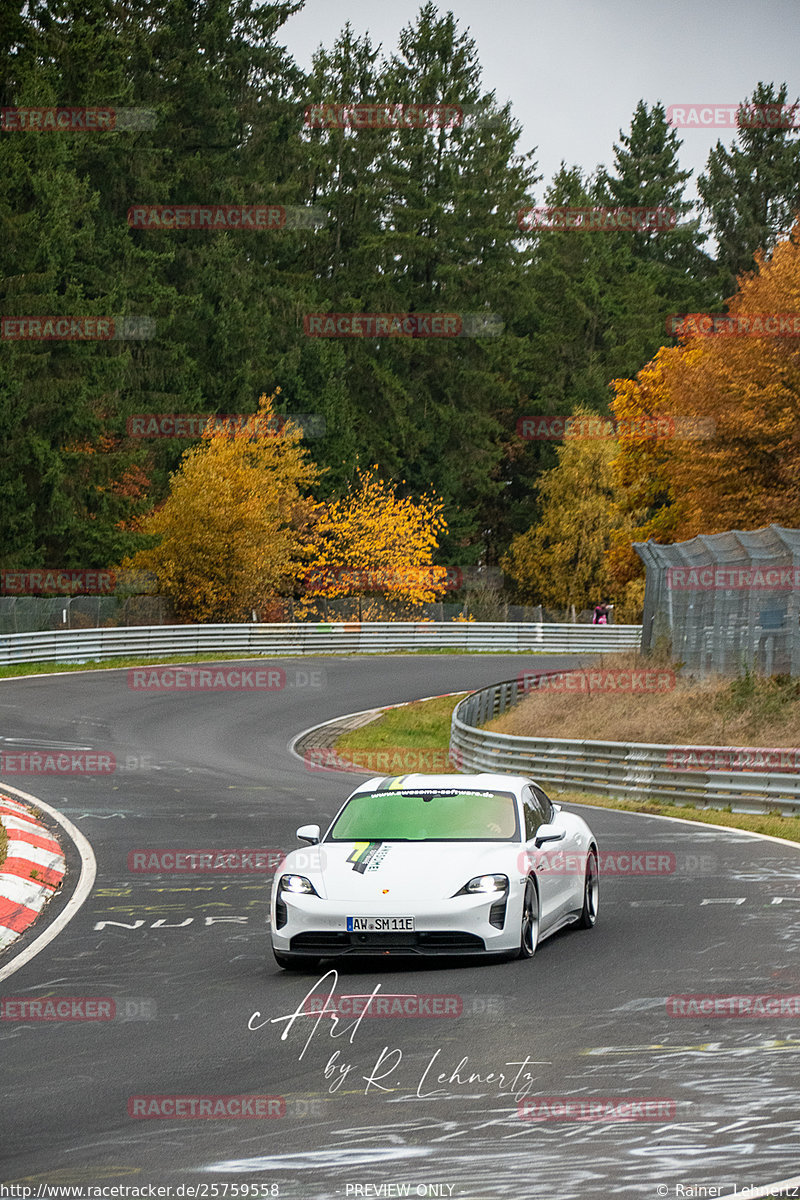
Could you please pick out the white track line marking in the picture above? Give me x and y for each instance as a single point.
(698, 825)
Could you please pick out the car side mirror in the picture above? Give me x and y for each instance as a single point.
(555, 807)
(549, 833)
(309, 834)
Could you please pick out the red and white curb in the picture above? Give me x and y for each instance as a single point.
(32, 872)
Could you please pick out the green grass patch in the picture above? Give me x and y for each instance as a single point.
(425, 725)
(108, 664)
(3, 844)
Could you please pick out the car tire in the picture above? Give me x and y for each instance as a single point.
(591, 894)
(290, 963)
(529, 924)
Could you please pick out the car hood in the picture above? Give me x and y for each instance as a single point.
(399, 871)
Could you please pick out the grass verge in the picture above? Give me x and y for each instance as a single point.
(15, 669)
(425, 726)
(3, 844)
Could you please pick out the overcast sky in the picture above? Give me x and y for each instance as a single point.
(574, 70)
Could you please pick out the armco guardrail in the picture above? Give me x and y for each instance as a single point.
(677, 773)
(88, 645)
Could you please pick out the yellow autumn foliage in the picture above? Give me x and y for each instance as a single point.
(237, 527)
(374, 542)
(560, 562)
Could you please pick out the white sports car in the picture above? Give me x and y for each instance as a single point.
(435, 864)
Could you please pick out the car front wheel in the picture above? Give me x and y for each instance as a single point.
(591, 894)
(529, 925)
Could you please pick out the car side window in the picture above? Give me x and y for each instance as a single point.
(533, 814)
(544, 804)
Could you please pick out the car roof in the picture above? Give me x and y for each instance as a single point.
(482, 781)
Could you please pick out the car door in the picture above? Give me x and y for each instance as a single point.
(566, 858)
(551, 884)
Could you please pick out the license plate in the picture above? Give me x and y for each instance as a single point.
(380, 924)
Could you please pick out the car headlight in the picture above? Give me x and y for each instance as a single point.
(297, 884)
(488, 885)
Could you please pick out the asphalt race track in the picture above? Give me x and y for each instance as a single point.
(187, 962)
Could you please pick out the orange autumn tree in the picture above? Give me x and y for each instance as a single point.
(735, 400)
(562, 561)
(373, 542)
(237, 526)
(642, 480)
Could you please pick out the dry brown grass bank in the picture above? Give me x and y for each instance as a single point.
(719, 712)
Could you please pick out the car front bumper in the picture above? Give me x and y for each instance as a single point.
(310, 926)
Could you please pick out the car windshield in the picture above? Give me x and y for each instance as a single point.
(428, 815)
